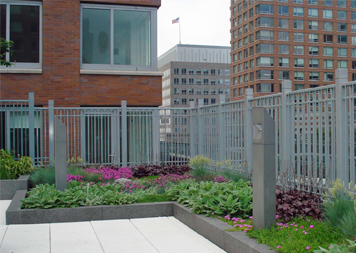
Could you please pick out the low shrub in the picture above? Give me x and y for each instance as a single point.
(294, 203)
(343, 248)
(155, 170)
(233, 198)
(12, 169)
(298, 235)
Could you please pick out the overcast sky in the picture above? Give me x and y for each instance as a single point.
(203, 22)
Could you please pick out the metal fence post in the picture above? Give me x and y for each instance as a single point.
(248, 129)
(124, 133)
(31, 124)
(156, 137)
(342, 171)
(51, 131)
(191, 130)
(285, 132)
(221, 129)
(200, 128)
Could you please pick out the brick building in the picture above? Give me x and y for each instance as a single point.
(300, 40)
(96, 53)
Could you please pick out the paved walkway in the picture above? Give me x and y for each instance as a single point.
(164, 234)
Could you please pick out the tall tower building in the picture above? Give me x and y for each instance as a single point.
(300, 40)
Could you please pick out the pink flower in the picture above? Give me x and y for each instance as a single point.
(311, 226)
(212, 213)
(251, 217)
(277, 216)
(307, 220)
(278, 246)
(330, 246)
(296, 229)
(301, 226)
(307, 247)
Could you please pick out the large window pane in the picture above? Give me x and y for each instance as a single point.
(25, 33)
(2, 23)
(132, 42)
(96, 36)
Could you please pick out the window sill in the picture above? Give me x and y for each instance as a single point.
(120, 73)
(11, 70)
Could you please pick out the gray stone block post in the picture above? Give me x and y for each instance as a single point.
(263, 172)
(60, 143)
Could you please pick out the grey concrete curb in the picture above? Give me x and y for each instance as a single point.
(212, 229)
(9, 187)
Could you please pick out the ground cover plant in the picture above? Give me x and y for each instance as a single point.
(156, 170)
(12, 169)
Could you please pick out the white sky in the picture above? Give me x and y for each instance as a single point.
(203, 22)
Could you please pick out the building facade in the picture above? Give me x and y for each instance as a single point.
(192, 72)
(301, 40)
(96, 53)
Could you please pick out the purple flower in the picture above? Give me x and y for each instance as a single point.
(307, 247)
(278, 246)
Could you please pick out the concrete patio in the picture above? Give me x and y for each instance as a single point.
(163, 234)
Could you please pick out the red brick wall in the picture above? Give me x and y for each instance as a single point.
(61, 80)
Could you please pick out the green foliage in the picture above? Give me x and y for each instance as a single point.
(154, 198)
(290, 240)
(339, 212)
(11, 169)
(343, 248)
(5, 46)
(200, 165)
(43, 175)
(233, 198)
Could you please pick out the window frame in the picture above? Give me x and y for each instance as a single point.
(23, 65)
(117, 67)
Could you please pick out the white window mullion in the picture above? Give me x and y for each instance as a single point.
(112, 37)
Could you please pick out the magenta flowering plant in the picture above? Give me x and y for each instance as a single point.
(220, 179)
(111, 173)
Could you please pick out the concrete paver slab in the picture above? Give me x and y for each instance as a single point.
(198, 237)
(166, 237)
(4, 204)
(74, 237)
(26, 238)
(121, 236)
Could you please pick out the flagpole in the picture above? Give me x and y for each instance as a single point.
(180, 42)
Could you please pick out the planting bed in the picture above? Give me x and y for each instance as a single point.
(9, 187)
(211, 228)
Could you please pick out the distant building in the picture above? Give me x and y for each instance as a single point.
(301, 40)
(193, 72)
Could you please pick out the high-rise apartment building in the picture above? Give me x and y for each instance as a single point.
(193, 72)
(300, 40)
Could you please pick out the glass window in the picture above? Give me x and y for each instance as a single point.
(313, 2)
(341, 15)
(299, 37)
(328, 2)
(313, 25)
(283, 10)
(264, 8)
(353, 40)
(283, 36)
(24, 29)
(314, 76)
(283, 62)
(184, 81)
(176, 71)
(264, 48)
(298, 24)
(264, 74)
(353, 3)
(298, 86)
(298, 1)
(264, 22)
(184, 71)
(298, 11)
(313, 37)
(313, 12)
(342, 39)
(353, 15)
(283, 75)
(283, 23)
(353, 28)
(328, 64)
(313, 63)
(353, 65)
(314, 50)
(341, 3)
(342, 52)
(341, 27)
(264, 35)
(327, 14)
(299, 50)
(328, 38)
(328, 51)
(191, 81)
(342, 64)
(299, 62)
(212, 72)
(264, 61)
(298, 75)
(127, 30)
(264, 87)
(328, 26)
(283, 49)
(198, 72)
(329, 76)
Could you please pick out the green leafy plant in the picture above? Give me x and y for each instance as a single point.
(343, 248)
(5, 47)
(12, 169)
(201, 166)
(206, 198)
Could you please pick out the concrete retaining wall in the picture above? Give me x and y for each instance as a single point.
(9, 187)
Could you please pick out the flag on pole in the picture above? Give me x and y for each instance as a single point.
(174, 21)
